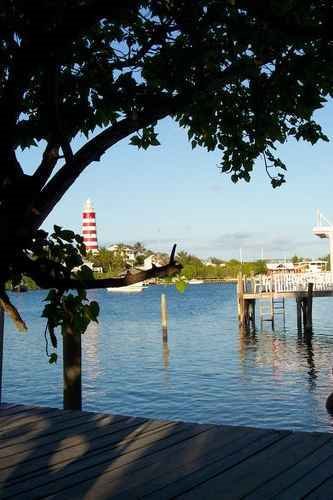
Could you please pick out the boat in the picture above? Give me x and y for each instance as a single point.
(195, 282)
(134, 288)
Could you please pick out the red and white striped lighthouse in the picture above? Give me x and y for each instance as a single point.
(89, 232)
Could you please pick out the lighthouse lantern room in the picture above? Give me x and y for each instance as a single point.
(89, 231)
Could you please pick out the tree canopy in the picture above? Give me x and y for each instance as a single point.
(238, 75)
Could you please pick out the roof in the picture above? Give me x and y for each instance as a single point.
(280, 266)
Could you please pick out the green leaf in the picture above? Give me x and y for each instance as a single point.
(79, 239)
(85, 273)
(53, 358)
(136, 141)
(57, 229)
(67, 235)
(94, 310)
(51, 296)
(181, 286)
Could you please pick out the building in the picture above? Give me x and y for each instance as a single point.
(311, 266)
(125, 251)
(280, 267)
(89, 230)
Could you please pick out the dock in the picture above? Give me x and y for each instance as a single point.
(275, 289)
(58, 454)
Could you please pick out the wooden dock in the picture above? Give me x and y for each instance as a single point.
(302, 287)
(59, 454)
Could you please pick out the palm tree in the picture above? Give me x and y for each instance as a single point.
(139, 248)
(182, 257)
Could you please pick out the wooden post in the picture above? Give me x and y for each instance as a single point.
(252, 312)
(304, 311)
(164, 317)
(72, 369)
(244, 284)
(240, 297)
(308, 323)
(2, 321)
(299, 314)
(246, 320)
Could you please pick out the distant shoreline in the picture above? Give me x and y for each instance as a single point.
(162, 283)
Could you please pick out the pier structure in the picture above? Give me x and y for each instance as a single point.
(275, 289)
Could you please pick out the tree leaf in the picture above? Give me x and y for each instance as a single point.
(53, 358)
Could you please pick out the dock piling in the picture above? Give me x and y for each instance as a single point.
(240, 300)
(308, 301)
(252, 312)
(299, 314)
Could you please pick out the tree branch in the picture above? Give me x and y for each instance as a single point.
(288, 23)
(155, 107)
(45, 281)
(95, 148)
(47, 165)
(12, 312)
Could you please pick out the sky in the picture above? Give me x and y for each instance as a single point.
(173, 194)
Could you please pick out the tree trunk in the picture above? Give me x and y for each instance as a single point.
(1, 348)
(72, 369)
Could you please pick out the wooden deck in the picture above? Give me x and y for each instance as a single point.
(59, 454)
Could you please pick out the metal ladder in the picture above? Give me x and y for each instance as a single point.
(269, 308)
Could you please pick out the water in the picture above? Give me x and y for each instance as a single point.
(209, 373)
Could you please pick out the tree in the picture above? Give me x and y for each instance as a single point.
(295, 259)
(111, 70)
(237, 75)
(112, 262)
(139, 249)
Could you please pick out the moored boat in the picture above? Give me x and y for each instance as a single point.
(134, 288)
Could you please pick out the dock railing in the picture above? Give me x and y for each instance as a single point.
(289, 282)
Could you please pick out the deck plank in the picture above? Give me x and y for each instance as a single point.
(309, 482)
(297, 472)
(57, 454)
(44, 427)
(65, 455)
(76, 461)
(269, 462)
(322, 492)
(148, 474)
(43, 446)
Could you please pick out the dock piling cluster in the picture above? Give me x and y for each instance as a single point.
(275, 292)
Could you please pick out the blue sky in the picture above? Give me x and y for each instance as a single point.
(171, 194)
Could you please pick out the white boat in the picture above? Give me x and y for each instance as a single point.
(135, 288)
(195, 282)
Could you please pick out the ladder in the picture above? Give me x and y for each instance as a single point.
(269, 308)
(278, 306)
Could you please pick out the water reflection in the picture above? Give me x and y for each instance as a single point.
(305, 348)
(166, 353)
(91, 348)
(273, 349)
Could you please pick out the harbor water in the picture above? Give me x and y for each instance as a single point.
(209, 371)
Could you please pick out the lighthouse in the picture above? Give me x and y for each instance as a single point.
(89, 232)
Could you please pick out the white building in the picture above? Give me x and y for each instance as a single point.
(276, 267)
(127, 252)
(153, 259)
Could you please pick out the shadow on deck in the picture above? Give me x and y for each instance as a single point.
(59, 454)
